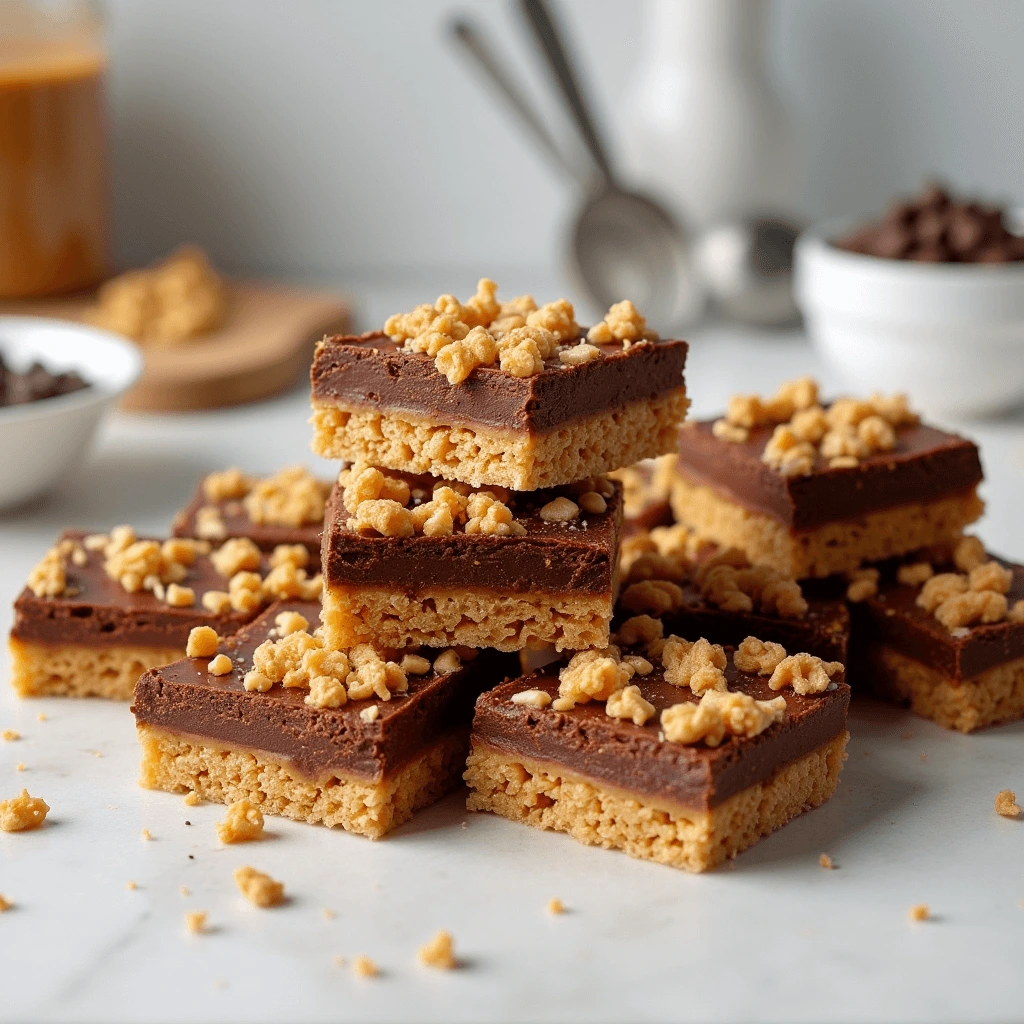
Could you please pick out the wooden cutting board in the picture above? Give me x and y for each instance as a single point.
(265, 347)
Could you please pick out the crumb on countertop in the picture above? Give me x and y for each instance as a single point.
(826, 861)
(146, 834)
(364, 967)
(195, 921)
(131, 886)
(1006, 804)
(439, 952)
(5, 904)
(192, 799)
(10, 734)
(243, 823)
(920, 912)
(258, 887)
(556, 906)
(22, 812)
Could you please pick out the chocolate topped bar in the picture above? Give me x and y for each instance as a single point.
(925, 464)
(95, 609)
(374, 372)
(637, 759)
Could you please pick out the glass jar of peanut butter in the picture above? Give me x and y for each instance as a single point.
(54, 206)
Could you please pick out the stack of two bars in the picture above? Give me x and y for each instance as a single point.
(472, 522)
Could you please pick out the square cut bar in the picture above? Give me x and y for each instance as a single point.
(97, 639)
(233, 520)
(206, 734)
(610, 783)
(923, 492)
(554, 584)
(376, 403)
(963, 679)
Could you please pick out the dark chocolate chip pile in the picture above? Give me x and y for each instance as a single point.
(934, 228)
(36, 383)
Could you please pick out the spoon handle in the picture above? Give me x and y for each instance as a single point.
(547, 35)
(473, 44)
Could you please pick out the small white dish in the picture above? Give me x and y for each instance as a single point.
(951, 335)
(41, 442)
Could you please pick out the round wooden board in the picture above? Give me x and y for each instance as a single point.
(264, 348)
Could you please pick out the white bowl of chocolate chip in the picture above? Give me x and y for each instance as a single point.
(950, 335)
(57, 382)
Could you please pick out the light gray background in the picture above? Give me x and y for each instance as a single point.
(340, 139)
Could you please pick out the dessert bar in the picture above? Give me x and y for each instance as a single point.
(815, 490)
(286, 508)
(944, 634)
(411, 560)
(315, 735)
(621, 752)
(100, 609)
(647, 487)
(504, 394)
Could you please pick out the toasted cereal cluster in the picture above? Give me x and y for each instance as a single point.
(720, 713)
(291, 497)
(22, 812)
(227, 485)
(861, 584)
(622, 322)
(805, 673)
(177, 300)
(674, 543)
(728, 581)
(962, 599)
(604, 675)
(758, 657)
(698, 664)
(518, 335)
(48, 577)
(842, 434)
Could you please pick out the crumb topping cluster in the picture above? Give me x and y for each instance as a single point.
(518, 335)
(386, 504)
(292, 497)
(974, 595)
(656, 564)
(605, 675)
(292, 657)
(842, 434)
(160, 568)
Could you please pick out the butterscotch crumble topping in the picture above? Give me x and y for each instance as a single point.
(699, 665)
(259, 888)
(758, 657)
(195, 921)
(805, 673)
(532, 698)
(843, 434)
(22, 812)
(720, 713)
(518, 335)
(1006, 804)
(226, 485)
(364, 967)
(243, 823)
(202, 642)
(919, 912)
(439, 952)
(291, 497)
(629, 703)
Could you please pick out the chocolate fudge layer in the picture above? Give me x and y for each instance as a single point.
(96, 638)
(834, 519)
(236, 523)
(319, 764)
(375, 402)
(962, 678)
(551, 582)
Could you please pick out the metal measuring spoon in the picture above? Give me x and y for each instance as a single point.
(622, 244)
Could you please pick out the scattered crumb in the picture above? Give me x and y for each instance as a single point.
(96, 753)
(22, 812)
(5, 904)
(339, 961)
(146, 834)
(131, 886)
(920, 912)
(329, 914)
(364, 967)
(258, 888)
(188, 822)
(192, 799)
(1006, 804)
(195, 921)
(906, 736)
(243, 824)
(826, 861)
(185, 890)
(41, 717)
(556, 906)
(20, 766)
(439, 952)
(10, 734)
(369, 714)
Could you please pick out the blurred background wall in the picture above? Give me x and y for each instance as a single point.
(334, 139)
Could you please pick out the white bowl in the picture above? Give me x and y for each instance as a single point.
(40, 442)
(951, 335)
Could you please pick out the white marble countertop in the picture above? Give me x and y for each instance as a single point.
(776, 938)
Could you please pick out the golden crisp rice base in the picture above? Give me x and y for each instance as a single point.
(993, 696)
(446, 618)
(78, 670)
(831, 547)
(479, 456)
(545, 796)
(180, 764)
